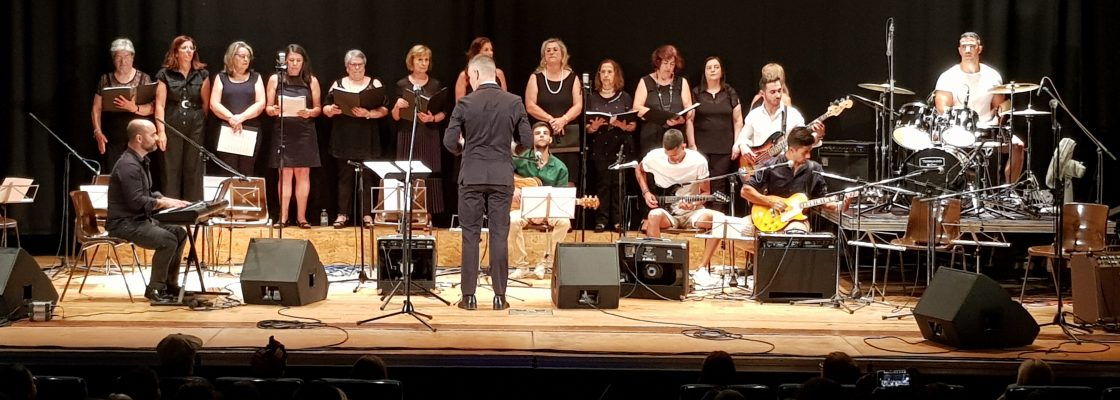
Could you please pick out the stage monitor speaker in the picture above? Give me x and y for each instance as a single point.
(653, 268)
(283, 271)
(852, 159)
(968, 310)
(21, 282)
(585, 269)
(390, 252)
(791, 267)
(1095, 280)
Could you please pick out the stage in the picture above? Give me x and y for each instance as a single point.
(641, 334)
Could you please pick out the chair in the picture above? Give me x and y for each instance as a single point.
(698, 391)
(14, 191)
(788, 391)
(1083, 231)
(168, 385)
(387, 210)
(248, 207)
(363, 389)
(1015, 392)
(270, 388)
(90, 236)
(61, 387)
(916, 238)
(1112, 393)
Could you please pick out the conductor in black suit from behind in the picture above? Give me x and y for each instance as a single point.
(482, 128)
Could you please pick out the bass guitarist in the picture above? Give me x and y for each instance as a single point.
(672, 166)
(770, 188)
(765, 126)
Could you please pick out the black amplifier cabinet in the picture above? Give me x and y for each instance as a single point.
(653, 268)
(390, 252)
(791, 267)
(847, 158)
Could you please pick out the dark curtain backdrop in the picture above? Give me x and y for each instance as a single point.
(57, 50)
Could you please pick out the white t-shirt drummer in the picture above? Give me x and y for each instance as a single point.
(973, 87)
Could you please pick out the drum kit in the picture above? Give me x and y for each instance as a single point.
(953, 151)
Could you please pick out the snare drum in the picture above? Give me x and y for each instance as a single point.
(957, 127)
(912, 129)
(944, 169)
(991, 137)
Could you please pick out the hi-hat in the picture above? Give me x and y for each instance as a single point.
(885, 88)
(1013, 87)
(1026, 112)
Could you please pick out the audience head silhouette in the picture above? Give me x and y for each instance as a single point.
(369, 367)
(718, 368)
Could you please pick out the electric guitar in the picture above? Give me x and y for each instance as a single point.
(776, 143)
(668, 196)
(767, 219)
(591, 202)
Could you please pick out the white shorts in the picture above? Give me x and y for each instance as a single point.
(688, 220)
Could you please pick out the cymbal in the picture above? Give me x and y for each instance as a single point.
(1027, 112)
(884, 88)
(1013, 87)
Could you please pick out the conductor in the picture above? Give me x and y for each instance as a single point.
(481, 129)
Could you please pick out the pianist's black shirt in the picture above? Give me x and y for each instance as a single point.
(130, 190)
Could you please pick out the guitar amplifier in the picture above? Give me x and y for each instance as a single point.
(790, 267)
(653, 268)
(390, 252)
(1095, 280)
(849, 158)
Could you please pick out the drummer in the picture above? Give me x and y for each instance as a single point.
(970, 82)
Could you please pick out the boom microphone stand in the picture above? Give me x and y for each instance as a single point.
(281, 77)
(583, 145)
(64, 259)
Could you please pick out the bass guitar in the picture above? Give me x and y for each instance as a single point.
(776, 143)
(768, 220)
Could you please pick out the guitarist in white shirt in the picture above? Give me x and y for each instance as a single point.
(674, 164)
(769, 188)
(762, 123)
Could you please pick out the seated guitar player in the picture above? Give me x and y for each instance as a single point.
(536, 167)
(770, 190)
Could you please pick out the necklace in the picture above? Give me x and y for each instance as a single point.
(549, 88)
(662, 101)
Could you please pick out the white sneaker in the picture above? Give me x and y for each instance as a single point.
(519, 273)
(539, 271)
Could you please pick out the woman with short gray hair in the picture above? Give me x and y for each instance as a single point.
(109, 125)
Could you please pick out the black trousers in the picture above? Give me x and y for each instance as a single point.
(720, 164)
(604, 183)
(167, 240)
(494, 201)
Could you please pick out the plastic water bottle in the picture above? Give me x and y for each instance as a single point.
(324, 219)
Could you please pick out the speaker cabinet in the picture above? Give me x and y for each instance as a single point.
(283, 271)
(585, 269)
(21, 281)
(653, 268)
(968, 310)
(390, 254)
(791, 267)
(1095, 280)
(848, 158)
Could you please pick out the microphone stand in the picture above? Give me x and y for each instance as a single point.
(623, 212)
(281, 77)
(583, 146)
(64, 260)
(359, 211)
(889, 120)
(1101, 149)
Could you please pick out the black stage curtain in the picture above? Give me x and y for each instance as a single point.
(57, 50)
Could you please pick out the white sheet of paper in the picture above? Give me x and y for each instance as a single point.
(417, 167)
(15, 190)
(292, 105)
(548, 202)
(98, 195)
(726, 227)
(243, 143)
(391, 194)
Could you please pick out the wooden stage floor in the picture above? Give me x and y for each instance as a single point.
(640, 334)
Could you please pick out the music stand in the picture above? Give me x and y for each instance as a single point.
(548, 202)
(732, 229)
(16, 191)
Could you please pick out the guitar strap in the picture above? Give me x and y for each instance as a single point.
(785, 112)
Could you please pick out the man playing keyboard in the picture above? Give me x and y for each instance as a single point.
(131, 205)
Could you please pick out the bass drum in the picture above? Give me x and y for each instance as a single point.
(943, 169)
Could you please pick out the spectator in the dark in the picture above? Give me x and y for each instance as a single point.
(270, 361)
(241, 390)
(196, 391)
(819, 389)
(318, 390)
(370, 368)
(140, 383)
(1034, 372)
(840, 367)
(718, 368)
(177, 354)
(728, 394)
(17, 382)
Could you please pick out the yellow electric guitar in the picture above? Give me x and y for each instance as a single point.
(767, 219)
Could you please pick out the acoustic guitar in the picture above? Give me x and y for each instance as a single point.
(590, 202)
(776, 143)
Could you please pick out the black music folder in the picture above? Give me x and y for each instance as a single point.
(661, 116)
(347, 100)
(625, 117)
(144, 94)
(434, 104)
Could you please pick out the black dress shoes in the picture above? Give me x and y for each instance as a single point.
(468, 302)
(159, 296)
(500, 302)
(599, 228)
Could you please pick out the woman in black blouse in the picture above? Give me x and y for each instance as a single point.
(480, 45)
(182, 100)
(238, 99)
(664, 90)
(718, 119)
(553, 95)
(109, 127)
(354, 138)
(608, 137)
(428, 147)
(295, 142)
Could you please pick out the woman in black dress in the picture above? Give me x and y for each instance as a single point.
(354, 135)
(296, 131)
(553, 95)
(182, 100)
(428, 136)
(607, 137)
(665, 90)
(238, 99)
(109, 127)
(480, 45)
(719, 118)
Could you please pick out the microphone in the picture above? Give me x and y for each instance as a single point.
(282, 60)
(587, 81)
(354, 163)
(967, 94)
(1040, 87)
(890, 36)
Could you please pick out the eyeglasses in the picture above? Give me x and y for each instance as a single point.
(969, 45)
(357, 65)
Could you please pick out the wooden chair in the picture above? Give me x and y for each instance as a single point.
(916, 238)
(90, 236)
(248, 207)
(1083, 231)
(421, 219)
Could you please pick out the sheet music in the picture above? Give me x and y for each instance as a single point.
(391, 195)
(98, 195)
(291, 106)
(15, 190)
(417, 167)
(243, 143)
(731, 227)
(548, 202)
(382, 168)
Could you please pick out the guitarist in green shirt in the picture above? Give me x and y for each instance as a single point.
(536, 167)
